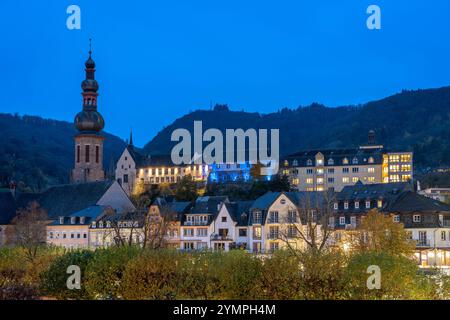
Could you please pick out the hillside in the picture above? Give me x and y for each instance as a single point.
(37, 152)
(413, 120)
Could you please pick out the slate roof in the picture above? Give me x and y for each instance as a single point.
(361, 191)
(265, 201)
(90, 214)
(412, 202)
(208, 205)
(64, 200)
(338, 155)
(144, 160)
(239, 211)
(7, 207)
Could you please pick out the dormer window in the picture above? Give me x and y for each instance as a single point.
(355, 160)
(286, 163)
(416, 218)
(367, 204)
(100, 224)
(94, 224)
(345, 161)
(345, 205)
(356, 204)
(72, 220)
(309, 162)
(82, 220)
(336, 206)
(108, 224)
(379, 203)
(61, 220)
(330, 162)
(371, 160)
(295, 163)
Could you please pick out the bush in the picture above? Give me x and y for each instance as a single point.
(153, 275)
(54, 280)
(399, 277)
(281, 277)
(104, 273)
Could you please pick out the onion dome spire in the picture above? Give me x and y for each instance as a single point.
(89, 120)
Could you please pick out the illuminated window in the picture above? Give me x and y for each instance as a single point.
(310, 189)
(406, 167)
(319, 188)
(406, 177)
(319, 171)
(371, 170)
(405, 158)
(309, 181)
(319, 162)
(371, 179)
(379, 203)
(394, 178)
(394, 168)
(345, 161)
(319, 180)
(345, 179)
(296, 181)
(355, 179)
(394, 158)
(396, 218)
(286, 172)
(371, 160)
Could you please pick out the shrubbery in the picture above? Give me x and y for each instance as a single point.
(136, 273)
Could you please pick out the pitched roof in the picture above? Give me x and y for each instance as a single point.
(239, 211)
(64, 200)
(90, 214)
(265, 201)
(208, 204)
(361, 191)
(143, 160)
(412, 202)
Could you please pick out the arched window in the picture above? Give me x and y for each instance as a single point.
(345, 161)
(371, 160)
(330, 162)
(309, 162)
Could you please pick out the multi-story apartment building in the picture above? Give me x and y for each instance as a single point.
(426, 220)
(322, 170)
(134, 168)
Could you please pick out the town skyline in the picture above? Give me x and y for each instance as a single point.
(307, 59)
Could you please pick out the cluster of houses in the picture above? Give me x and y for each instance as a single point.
(339, 185)
(100, 214)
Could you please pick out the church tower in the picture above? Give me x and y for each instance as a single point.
(89, 123)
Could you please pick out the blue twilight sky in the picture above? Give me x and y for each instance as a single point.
(157, 60)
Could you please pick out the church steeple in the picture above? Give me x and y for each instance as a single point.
(131, 138)
(89, 122)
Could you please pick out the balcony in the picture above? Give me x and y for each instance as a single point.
(195, 223)
(423, 243)
(219, 237)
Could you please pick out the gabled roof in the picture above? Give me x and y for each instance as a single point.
(208, 204)
(64, 200)
(239, 211)
(145, 160)
(265, 201)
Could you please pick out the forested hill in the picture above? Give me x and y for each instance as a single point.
(415, 120)
(37, 152)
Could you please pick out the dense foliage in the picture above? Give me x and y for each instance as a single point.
(37, 152)
(415, 120)
(135, 273)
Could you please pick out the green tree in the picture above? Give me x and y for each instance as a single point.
(185, 189)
